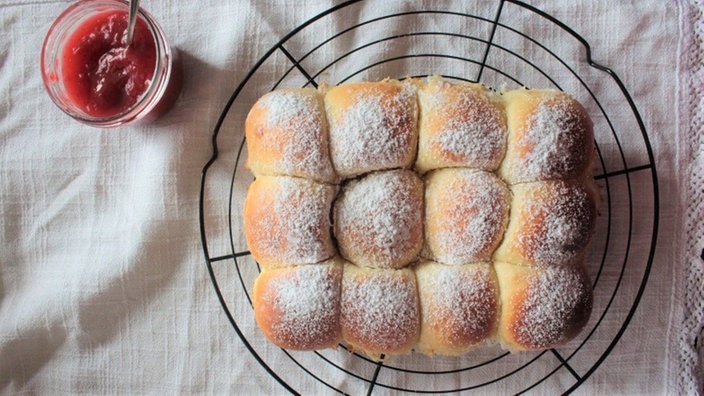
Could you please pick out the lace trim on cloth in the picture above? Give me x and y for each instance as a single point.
(686, 374)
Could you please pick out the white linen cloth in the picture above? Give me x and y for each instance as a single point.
(103, 282)
(687, 333)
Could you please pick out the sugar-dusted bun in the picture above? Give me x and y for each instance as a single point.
(550, 223)
(287, 221)
(461, 124)
(287, 134)
(550, 137)
(373, 126)
(466, 214)
(378, 219)
(379, 310)
(542, 307)
(299, 307)
(459, 307)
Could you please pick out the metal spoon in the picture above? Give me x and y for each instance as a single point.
(132, 19)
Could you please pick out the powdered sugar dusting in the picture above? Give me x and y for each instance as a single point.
(556, 142)
(379, 309)
(295, 125)
(377, 131)
(467, 213)
(472, 128)
(558, 302)
(378, 219)
(558, 225)
(309, 305)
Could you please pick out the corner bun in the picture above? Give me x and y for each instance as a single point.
(550, 136)
(542, 307)
(299, 307)
(287, 135)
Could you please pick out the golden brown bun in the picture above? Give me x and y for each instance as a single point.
(466, 214)
(459, 307)
(286, 221)
(299, 307)
(550, 224)
(461, 124)
(379, 311)
(550, 137)
(378, 219)
(542, 307)
(373, 126)
(287, 134)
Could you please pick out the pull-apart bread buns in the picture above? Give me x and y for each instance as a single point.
(423, 215)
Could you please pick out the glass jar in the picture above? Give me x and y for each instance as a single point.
(160, 93)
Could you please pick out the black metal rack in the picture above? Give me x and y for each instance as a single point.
(502, 43)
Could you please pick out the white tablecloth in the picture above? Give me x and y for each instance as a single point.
(103, 282)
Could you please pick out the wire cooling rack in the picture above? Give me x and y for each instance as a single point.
(502, 44)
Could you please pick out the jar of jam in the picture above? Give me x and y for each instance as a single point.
(93, 75)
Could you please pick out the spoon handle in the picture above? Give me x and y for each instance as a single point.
(134, 7)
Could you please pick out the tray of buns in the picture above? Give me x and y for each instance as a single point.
(400, 217)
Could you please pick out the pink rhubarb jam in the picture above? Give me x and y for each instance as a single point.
(102, 75)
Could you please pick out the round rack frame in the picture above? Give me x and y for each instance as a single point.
(506, 43)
